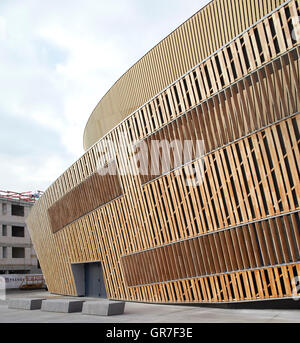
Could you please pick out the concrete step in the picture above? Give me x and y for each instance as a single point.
(62, 305)
(25, 303)
(103, 308)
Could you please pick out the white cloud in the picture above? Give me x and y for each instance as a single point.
(2, 28)
(58, 58)
(25, 173)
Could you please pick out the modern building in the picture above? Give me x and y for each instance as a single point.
(17, 255)
(188, 191)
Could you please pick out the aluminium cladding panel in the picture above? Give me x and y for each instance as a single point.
(182, 51)
(249, 195)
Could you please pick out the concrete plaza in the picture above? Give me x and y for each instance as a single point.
(146, 313)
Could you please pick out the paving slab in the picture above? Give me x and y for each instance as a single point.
(62, 305)
(25, 303)
(103, 308)
(144, 313)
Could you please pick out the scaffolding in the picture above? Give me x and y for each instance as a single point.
(24, 196)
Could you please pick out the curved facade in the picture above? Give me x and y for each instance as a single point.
(220, 221)
(191, 43)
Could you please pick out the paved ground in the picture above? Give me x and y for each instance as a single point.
(145, 313)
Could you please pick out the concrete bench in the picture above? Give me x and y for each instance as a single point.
(25, 303)
(62, 305)
(103, 308)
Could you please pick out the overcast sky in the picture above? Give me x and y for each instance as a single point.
(57, 59)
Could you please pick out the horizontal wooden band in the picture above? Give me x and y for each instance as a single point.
(95, 191)
(268, 243)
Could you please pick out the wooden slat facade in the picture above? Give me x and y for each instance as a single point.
(92, 193)
(247, 247)
(194, 41)
(223, 225)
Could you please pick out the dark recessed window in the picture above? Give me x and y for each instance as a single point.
(17, 210)
(18, 252)
(18, 231)
(4, 252)
(4, 209)
(4, 230)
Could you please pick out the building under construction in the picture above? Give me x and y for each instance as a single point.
(17, 255)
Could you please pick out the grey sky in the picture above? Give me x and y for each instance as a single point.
(57, 59)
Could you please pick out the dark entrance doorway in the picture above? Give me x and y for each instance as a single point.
(94, 281)
(89, 279)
